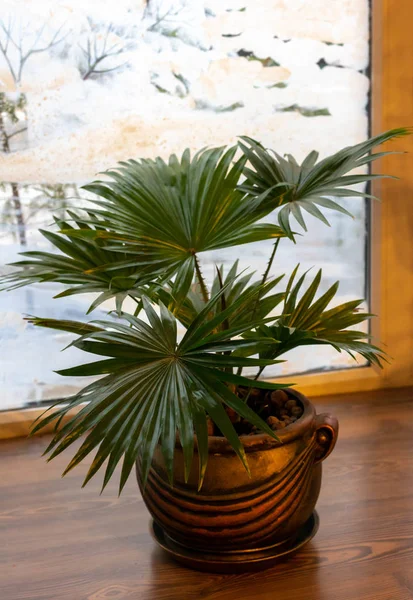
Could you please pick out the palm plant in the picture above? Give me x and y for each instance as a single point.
(142, 237)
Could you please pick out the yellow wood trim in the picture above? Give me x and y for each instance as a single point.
(392, 91)
(343, 381)
(391, 220)
(18, 423)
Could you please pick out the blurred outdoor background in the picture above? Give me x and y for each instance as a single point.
(86, 84)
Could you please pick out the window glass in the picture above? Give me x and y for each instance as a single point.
(84, 84)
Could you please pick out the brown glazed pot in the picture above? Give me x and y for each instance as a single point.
(233, 511)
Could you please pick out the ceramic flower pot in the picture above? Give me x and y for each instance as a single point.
(236, 514)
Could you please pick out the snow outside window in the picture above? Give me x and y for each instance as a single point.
(86, 83)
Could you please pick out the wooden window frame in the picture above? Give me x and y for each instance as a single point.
(391, 235)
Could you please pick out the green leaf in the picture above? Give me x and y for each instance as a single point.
(253, 383)
(307, 322)
(153, 388)
(85, 263)
(183, 282)
(168, 212)
(211, 402)
(293, 187)
(150, 219)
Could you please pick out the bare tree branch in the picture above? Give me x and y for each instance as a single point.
(14, 200)
(11, 38)
(96, 53)
(52, 197)
(24, 55)
(160, 18)
(10, 135)
(4, 48)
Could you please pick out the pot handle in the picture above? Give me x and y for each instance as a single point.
(326, 434)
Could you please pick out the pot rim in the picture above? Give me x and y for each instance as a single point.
(263, 441)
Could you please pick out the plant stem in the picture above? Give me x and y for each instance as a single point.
(225, 324)
(259, 373)
(263, 280)
(269, 265)
(255, 379)
(201, 280)
(265, 276)
(138, 307)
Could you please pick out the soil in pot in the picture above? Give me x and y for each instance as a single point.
(277, 408)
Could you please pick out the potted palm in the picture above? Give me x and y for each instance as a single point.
(229, 465)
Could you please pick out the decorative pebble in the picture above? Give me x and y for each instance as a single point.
(279, 398)
(210, 426)
(233, 416)
(276, 408)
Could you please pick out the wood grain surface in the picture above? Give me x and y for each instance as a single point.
(58, 542)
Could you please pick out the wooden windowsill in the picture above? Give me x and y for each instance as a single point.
(62, 542)
(18, 423)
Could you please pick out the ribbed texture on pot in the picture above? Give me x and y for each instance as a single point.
(258, 515)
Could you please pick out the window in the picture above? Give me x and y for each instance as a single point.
(83, 86)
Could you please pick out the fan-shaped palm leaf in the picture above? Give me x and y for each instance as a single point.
(294, 188)
(257, 300)
(75, 265)
(308, 322)
(167, 213)
(154, 388)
